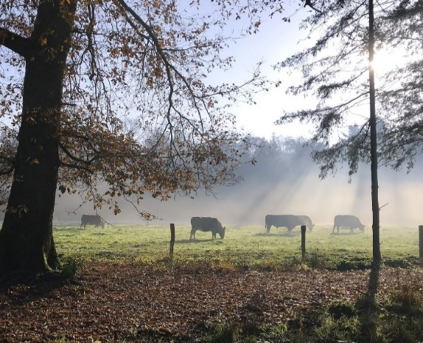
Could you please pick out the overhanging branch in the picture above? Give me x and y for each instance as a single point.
(14, 42)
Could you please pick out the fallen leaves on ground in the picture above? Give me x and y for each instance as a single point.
(137, 302)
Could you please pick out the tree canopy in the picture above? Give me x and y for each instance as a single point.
(335, 71)
(114, 93)
(137, 111)
(339, 69)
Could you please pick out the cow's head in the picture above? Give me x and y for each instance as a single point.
(361, 227)
(222, 232)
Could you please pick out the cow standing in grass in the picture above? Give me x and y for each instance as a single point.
(95, 220)
(284, 220)
(307, 222)
(206, 224)
(347, 221)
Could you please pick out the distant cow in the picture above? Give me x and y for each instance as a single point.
(206, 224)
(307, 222)
(284, 220)
(95, 220)
(347, 221)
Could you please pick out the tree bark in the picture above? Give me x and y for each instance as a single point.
(373, 142)
(26, 238)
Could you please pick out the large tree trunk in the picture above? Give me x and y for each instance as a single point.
(26, 238)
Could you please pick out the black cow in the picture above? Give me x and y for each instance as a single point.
(88, 219)
(206, 224)
(284, 220)
(347, 221)
(307, 222)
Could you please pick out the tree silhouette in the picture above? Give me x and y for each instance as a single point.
(76, 72)
(343, 81)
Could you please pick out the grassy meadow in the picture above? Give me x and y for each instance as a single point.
(246, 247)
(118, 284)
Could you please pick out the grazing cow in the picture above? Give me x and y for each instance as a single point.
(285, 220)
(206, 224)
(95, 220)
(307, 222)
(347, 221)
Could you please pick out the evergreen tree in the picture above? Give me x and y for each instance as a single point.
(339, 69)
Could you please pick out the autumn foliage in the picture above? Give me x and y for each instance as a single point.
(137, 113)
(109, 99)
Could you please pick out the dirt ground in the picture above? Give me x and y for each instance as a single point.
(130, 302)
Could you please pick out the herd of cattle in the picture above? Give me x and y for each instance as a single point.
(208, 224)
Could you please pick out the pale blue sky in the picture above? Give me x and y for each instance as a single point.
(276, 41)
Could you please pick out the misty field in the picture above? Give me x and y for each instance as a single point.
(247, 247)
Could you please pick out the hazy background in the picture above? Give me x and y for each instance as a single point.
(285, 180)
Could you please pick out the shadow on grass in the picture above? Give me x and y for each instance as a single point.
(346, 233)
(369, 307)
(68, 228)
(285, 234)
(37, 286)
(195, 241)
(77, 228)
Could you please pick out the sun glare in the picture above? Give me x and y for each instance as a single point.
(388, 60)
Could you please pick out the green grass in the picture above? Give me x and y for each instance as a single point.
(247, 247)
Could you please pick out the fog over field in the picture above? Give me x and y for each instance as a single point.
(284, 181)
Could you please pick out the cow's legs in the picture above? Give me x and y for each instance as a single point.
(192, 233)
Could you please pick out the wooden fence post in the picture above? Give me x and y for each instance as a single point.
(421, 242)
(303, 240)
(172, 240)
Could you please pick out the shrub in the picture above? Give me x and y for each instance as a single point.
(315, 260)
(403, 315)
(341, 308)
(353, 264)
(71, 267)
(399, 331)
(224, 334)
(334, 330)
(406, 301)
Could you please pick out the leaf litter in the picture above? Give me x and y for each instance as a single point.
(135, 302)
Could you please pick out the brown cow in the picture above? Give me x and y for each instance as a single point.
(207, 224)
(284, 220)
(347, 221)
(307, 222)
(88, 219)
